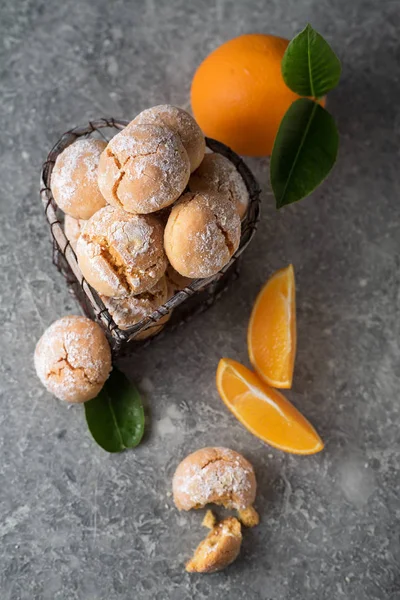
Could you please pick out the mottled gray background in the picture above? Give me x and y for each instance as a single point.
(77, 523)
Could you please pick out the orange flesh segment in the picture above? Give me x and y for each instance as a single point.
(264, 411)
(272, 330)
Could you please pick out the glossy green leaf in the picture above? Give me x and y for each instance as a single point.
(115, 417)
(304, 151)
(309, 66)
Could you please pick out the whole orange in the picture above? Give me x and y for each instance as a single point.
(238, 94)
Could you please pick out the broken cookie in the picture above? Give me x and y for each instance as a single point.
(214, 475)
(219, 549)
(249, 517)
(209, 520)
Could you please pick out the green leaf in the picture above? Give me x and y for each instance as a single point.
(309, 66)
(304, 151)
(115, 417)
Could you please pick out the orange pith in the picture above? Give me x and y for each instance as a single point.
(271, 336)
(264, 411)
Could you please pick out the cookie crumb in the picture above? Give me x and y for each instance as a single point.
(209, 520)
(249, 517)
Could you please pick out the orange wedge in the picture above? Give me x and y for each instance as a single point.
(264, 411)
(271, 336)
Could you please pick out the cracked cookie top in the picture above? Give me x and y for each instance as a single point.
(129, 310)
(218, 174)
(181, 123)
(74, 179)
(73, 359)
(202, 234)
(214, 475)
(121, 254)
(143, 169)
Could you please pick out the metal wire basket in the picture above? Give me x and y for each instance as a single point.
(195, 298)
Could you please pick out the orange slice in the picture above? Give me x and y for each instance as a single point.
(271, 336)
(264, 411)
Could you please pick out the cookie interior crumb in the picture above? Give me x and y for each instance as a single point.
(209, 520)
(249, 517)
(219, 549)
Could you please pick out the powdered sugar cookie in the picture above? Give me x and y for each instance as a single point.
(181, 123)
(175, 281)
(143, 169)
(73, 359)
(129, 310)
(74, 179)
(121, 254)
(218, 174)
(73, 229)
(202, 234)
(214, 475)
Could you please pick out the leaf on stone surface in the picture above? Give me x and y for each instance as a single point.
(304, 151)
(115, 417)
(309, 66)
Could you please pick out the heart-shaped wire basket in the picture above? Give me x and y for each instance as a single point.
(193, 299)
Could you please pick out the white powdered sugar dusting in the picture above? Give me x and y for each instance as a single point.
(139, 140)
(129, 310)
(217, 174)
(134, 234)
(123, 251)
(153, 167)
(211, 247)
(170, 116)
(72, 358)
(225, 531)
(210, 239)
(100, 268)
(203, 484)
(72, 229)
(76, 168)
(182, 123)
(226, 476)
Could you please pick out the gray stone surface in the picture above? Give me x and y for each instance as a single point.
(78, 524)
